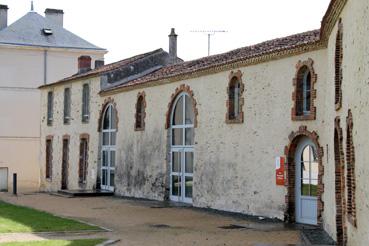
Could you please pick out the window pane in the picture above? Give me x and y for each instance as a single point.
(189, 136)
(113, 138)
(113, 119)
(112, 158)
(231, 99)
(178, 113)
(176, 185)
(67, 103)
(189, 162)
(106, 123)
(112, 183)
(104, 158)
(305, 156)
(50, 98)
(188, 186)
(106, 138)
(305, 170)
(314, 187)
(177, 136)
(189, 114)
(305, 187)
(176, 161)
(85, 102)
(104, 177)
(314, 170)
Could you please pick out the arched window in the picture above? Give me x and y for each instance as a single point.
(235, 99)
(182, 148)
(140, 112)
(338, 67)
(304, 93)
(108, 148)
(350, 159)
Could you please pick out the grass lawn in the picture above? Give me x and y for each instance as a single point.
(80, 242)
(21, 219)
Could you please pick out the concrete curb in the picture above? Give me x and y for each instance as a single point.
(109, 242)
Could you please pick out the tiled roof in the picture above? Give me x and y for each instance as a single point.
(104, 69)
(27, 31)
(268, 47)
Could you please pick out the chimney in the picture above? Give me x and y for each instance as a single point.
(99, 63)
(3, 16)
(172, 46)
(84, 64)
(55, 15)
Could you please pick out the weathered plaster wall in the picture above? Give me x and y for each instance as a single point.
(21, 72)
(355, 88)
(234, 164)
(74, 130)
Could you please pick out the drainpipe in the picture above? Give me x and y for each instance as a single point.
(45, 67)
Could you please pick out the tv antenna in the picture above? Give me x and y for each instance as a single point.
(209, 33)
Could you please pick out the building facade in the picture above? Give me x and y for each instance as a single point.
(208, 132)
(34, 50)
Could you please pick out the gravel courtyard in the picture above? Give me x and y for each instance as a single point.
(137, 222)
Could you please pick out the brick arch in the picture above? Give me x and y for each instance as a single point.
(179, 90)
(107, 101)
(314, 77)
(290, 150)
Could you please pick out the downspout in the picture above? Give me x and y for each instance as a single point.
(45, 67)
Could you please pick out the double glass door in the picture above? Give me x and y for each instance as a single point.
(181, 178)
(108, 169)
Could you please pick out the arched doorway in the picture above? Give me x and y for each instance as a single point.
(306, 183)
(304, 178)
(108, 147)
(182, 124)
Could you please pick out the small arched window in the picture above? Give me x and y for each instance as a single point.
(304, 93)
(235, 98)
(140, 112)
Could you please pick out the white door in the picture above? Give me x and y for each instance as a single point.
(108, 149)
(306, 182)
(3, 179)
(182, 150)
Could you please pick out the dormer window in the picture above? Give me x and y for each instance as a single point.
(47, 31)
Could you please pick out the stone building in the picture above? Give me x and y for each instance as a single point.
(208, 132)
(34, 50)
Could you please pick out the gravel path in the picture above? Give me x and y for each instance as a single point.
(153, 223)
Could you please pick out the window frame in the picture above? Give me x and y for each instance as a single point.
(83, 159)
(86, 99)
(49, 158)
(140, 116)
(67, 110)
(236, 100)
(50, 108)
(299, 83)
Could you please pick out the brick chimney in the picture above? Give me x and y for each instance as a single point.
(3, 16)
(84, 64)
(172, 46)
(55, 15)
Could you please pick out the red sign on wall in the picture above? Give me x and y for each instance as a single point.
(279, 170)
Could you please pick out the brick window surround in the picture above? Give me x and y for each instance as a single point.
(140, 114)
(49, 157)
(83, 160)
(338, 67)
(235, 80)
(289, 151)
(351, 180)
(179, 90)
(108, 101)
(297, 98)
(339, 183)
